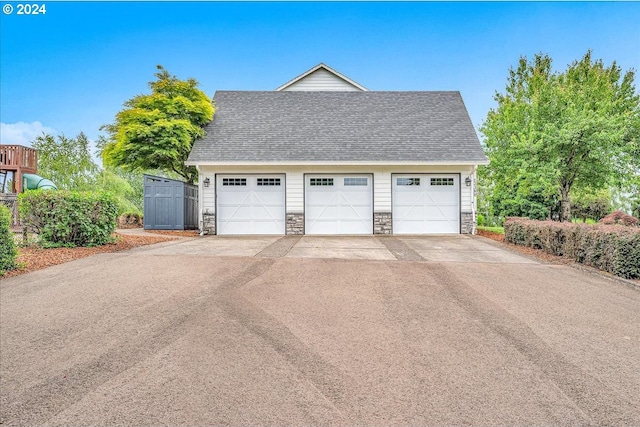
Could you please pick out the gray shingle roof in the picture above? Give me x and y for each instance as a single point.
(338, 127)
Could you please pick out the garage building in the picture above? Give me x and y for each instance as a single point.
(323, 155)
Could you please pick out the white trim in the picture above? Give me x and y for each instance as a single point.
(339, 163)
(200, 197)
(317, 67)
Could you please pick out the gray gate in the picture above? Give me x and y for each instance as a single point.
(169, 204)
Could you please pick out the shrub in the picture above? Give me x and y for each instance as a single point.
(8, 251)
(619, 217)
(130, 220)
(480, 220)
(611, 248)
(69, 218)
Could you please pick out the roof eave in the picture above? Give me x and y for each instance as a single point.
(339, 163)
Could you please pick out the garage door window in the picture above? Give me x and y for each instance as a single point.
(355, 181)
(324, 182)
(408, 181)
(263, 182)
(442, 181)
(234, 182)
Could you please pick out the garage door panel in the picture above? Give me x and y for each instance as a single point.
(323, 198)
(231, 212)
(339, 204)
(231, 227)
(357, 228)
(264, 214)
(322, 212)
(351, 214)
(426, 203)
(436, 213)
(250, 204)
(355, 199)
(443, 199)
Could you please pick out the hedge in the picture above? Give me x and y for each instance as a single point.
(611, 248)
(8, 251)
(69, 218)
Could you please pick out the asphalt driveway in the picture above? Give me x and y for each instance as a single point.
(318, 331)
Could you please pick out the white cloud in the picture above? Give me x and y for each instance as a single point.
(22, 133)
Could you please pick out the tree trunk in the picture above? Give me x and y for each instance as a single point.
(565, 202)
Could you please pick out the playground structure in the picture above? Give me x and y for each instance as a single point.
(18, 172)
(18, 168)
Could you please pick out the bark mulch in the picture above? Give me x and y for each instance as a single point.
(34, 258)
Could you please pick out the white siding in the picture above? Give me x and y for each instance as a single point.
(467, 201)
(382, 191)
(295, 192)
(321, 80)
(208, 193)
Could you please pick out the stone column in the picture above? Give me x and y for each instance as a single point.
(295, 223)
(468, 223)
(209, 223)
(382, 223)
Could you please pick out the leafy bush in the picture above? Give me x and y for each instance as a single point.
(611, 248)
(69, 218)
(8, 251)
(619, 217)
(130, 220)
(480, 220)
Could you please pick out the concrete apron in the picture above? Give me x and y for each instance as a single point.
(450, 248)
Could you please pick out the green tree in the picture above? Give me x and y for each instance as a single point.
(66, 161)
(126, 187)
(553, 132)
(592, 205)
(157, 131)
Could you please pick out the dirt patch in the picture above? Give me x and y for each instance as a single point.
(34, 258)
(491, 235)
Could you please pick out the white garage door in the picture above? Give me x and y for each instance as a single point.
(252, 204)
(426, 204)
(338, 204)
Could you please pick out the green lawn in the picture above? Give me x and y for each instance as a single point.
(499, 230)
(580, 221)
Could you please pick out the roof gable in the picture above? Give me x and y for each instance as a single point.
(321, 78)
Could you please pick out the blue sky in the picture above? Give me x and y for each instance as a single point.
(71, 69)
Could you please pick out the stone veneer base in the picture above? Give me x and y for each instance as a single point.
(209, 223)
(295, 223)
(467, 223)
(382, 223)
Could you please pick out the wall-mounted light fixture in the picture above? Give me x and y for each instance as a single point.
(467, 181)
(206, 182)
